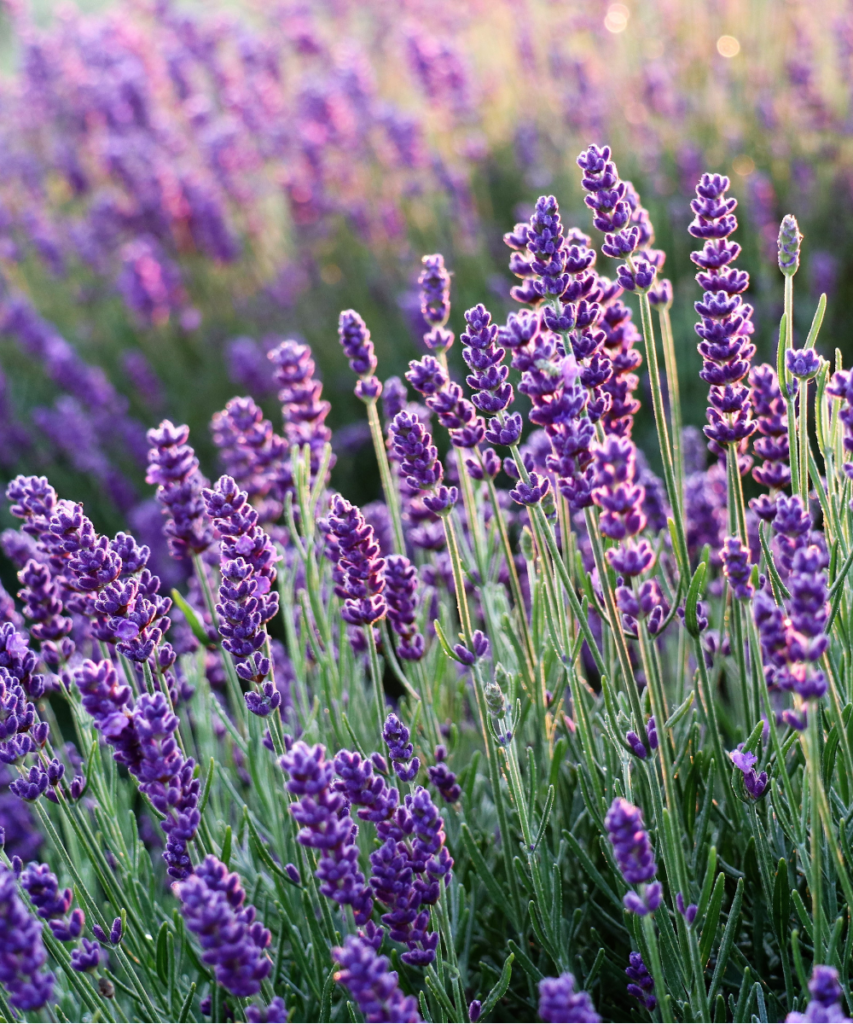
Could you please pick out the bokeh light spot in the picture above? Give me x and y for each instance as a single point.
(616, 19)
(728, 46)
(743, 165)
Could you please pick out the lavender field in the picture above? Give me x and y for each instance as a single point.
(426, 433)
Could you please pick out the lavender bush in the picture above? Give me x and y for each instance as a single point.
(535, 736)
(183, 185)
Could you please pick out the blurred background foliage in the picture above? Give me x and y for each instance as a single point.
(182, 184)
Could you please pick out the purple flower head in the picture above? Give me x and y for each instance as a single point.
(687, 911)
(417, 455)
(371, 983)
(745, 761)
(630, 841)
(359, 574)
(427, 376)
(400, 750)
(355, 341)
(771, 444)
(434, 283)
(401, 584)
(559, 1001)
(232, 941)
(325, 825)
(445, 782)
(87, 957)
(479, 649)
(803, 363)
(263, 703)
(825, 1004)
(531, 493)
(824, 985)
(737, 568)
(22, 953)
(726, 321)
(173, 467)
(642, 986)
(789, 245)
(275, 1013)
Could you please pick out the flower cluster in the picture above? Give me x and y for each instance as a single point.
(726, 325)
(321, 812)
(233, 942)
(771, 447)
(559, 1000)
(247, 595)
(355, 341)
(434, 283)
(401, 598)
(360, 572)
(22, 953)
(372, 984)
(633, 852)
(620, 499)
(173, 467)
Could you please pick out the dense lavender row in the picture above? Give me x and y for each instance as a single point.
(536, 736)
(178, 186)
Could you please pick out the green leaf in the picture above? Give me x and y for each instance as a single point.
(526, 964)
(187, 1004)
(802, 913)
(491, 1000)
(591, 869)
(163, 954)
(225, 855)
(326, 1001)
(593, 971)
(693, 594)
(482, 868)
(199, 632)
(817, 320)
(712, 920)
(781, 901)
(546, 814)
(679, 712)
(727, 942)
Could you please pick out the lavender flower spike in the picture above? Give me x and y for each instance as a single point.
(634, 855)
(559, 1002)
(22, 954)
(789, 245)
(371, 984)
(234, 943)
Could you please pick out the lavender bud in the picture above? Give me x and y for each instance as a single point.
(789, 245)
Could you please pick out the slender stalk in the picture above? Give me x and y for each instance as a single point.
(672, 487)
(674, 392)
(376, 675)
(392, 497)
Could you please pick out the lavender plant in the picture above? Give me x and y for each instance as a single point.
(538, 736)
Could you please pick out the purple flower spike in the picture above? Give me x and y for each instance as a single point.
(359, 574)
(275, 1013)
(173, 466)
(372, 984)
(726, 321)
(825, 1004)
(325, 825)
(533, 492)
(630, 841)
(772, 443)
(355, 341)
(559, 1001)
(400, 750)
(737, 568)
(435, 302)
(232, 940)
(445, 782)
(642, 986)
(263, 703)
(22, 953)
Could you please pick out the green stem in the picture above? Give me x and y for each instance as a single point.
(671, 367)
(672, 487)
(392, 498)
(376, 674)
